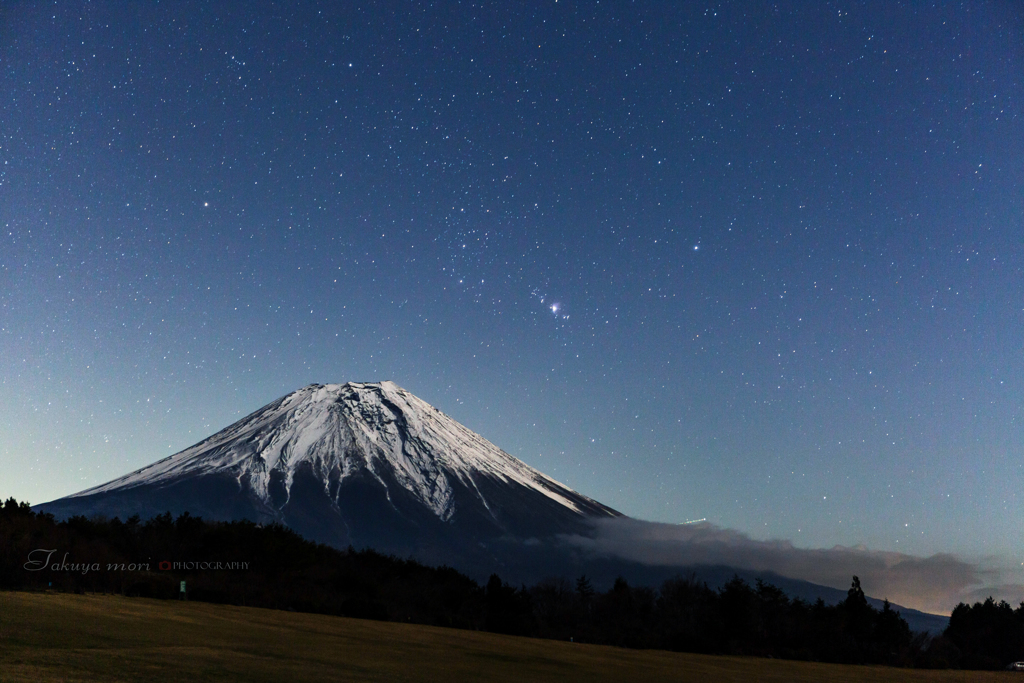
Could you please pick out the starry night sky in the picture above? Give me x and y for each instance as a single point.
(759, 263)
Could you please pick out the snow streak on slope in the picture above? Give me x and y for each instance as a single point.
(343, 429)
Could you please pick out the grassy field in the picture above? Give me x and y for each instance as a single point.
(59, 637)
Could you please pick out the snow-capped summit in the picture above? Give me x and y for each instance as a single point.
(366, 464)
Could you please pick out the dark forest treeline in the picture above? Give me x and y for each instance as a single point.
(243, 563)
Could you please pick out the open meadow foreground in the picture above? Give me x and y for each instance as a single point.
(53, 636)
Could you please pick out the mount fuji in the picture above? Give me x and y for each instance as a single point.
(371, 465)
(361, 464)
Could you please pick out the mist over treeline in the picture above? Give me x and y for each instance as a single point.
(242, 563)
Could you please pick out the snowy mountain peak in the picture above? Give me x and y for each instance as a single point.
(341, 431)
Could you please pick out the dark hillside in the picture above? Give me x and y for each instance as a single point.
(242, 563)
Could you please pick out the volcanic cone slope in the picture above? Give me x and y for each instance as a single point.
(361, 464)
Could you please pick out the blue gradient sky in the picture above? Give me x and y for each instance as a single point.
(784, 243)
